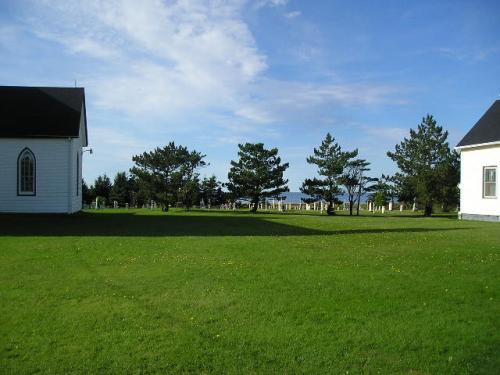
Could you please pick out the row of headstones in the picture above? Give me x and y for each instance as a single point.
(151, 205)
(228, 206)
(321, 206)
(373, 208)
(278, 206)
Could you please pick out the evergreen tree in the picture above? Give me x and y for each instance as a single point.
(380, 195)
(355, 182)
(102, 188)
(189, 187)
(122, 189)
(221, 196)
(403, 190)
(428, 167)
(209, 188)
(88, 194)
(257, 174)
(168, 173)
(189, 191)
(330, 161)
(140, 193)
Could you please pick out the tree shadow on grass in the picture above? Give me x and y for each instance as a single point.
(339, 214)
(129, 224)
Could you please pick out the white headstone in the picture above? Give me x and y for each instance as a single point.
(401, 207)
(390, 206)
(383, 209)
(414, 206)
(126, 205)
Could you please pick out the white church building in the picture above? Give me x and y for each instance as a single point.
(480, 163)
(42, 134)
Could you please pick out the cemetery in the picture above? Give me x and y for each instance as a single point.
(211, 290)
(249, 187)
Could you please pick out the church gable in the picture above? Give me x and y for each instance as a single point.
(42, 112)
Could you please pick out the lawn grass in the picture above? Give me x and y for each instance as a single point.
(139, 291)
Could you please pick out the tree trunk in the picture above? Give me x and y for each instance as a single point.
(428, 209)
(359, 198)
(255, 204)
(329, 209)
(351, 206)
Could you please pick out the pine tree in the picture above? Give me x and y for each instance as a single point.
(122, 189)
(429, 169)
(257, 174)
(209, 190)
(331, 162)
(355, 182)
(102, 188)
(168, 173)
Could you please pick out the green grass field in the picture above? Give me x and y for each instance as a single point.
(139, 291)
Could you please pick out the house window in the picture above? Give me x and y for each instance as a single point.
(26, 173)
(490, 182)
(77, 175)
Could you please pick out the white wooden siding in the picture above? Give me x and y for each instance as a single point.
(55, 175)
(76, 148)
(473, 160)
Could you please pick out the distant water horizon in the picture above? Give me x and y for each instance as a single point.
(297, 196)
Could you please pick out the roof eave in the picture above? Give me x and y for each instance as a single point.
(486, 144)
(84, 110)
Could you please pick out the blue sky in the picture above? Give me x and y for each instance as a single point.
(212, 74)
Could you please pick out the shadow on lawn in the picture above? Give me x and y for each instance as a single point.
(129, 224)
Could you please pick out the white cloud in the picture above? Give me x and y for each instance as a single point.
(293, 14)
(186, 49)
(390, 135)
(270, 3)
(173, 58)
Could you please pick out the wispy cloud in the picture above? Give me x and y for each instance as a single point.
(167, 58)
(464, 54)
(165, 63)
(293, 14)
(270, 3)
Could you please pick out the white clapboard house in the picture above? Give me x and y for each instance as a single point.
(480, 163)
(42, 133)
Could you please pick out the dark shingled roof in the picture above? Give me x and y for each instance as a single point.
(41, 112)
(486, 130)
